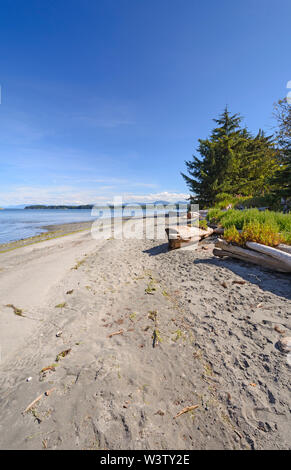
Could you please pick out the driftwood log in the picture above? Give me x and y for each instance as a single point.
(182, 236)
(253, 255)
(286, 248)
(270, 251)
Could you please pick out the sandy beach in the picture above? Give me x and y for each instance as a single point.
(123, 335)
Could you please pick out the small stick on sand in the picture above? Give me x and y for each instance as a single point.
(120, 332)
(185, 410)
(48, 392)
(32, 404)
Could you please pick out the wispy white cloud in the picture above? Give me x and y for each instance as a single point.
(71, 195)
(161, 196)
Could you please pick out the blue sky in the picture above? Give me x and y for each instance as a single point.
(109, 97)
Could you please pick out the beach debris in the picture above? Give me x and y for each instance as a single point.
(132, 316)
(34, 402)
(197, 354)
(70, 291)
(120, 332)
(253, 384)
(179, 334)
(156, 337)
(180, 236)
(63, 354)
(256, 253)
(239, 282)
(160, 412)
(186, 410)
(285, 344)
(238, 433)
(28, 379)
(79, 263)
(59, 333)
(150, 288)
(286, 248)
(278, 329)
(17, 311)
(62, 305)
(153, 315)
(224, 284)
(49, 392)
(51, 368)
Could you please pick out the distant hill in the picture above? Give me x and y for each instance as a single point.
(102, 206)
(39, 206)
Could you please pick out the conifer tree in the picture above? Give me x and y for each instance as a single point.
(231, 161)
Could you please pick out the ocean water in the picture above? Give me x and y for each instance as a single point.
(16, 224)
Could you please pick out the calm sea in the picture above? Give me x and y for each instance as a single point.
(16, 224)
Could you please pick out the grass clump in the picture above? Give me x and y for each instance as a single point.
(150, 288)
(214, 215)
(152, 315)
(254, 232)
(266, 227)
(62, 305)
(203, 224)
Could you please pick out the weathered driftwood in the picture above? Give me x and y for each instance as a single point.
(254, 259)
(218, 230)
(181, 235)
(285, 248)
(244, 254)
(270, 251)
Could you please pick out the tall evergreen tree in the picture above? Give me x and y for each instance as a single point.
(231, 161)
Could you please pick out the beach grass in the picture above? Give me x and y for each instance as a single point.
(255, 220)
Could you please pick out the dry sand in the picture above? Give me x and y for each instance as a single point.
(190, 336)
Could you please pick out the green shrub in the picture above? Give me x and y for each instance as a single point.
(214, 215)
(203, 224)
(232, 235)
(254, 232)
(266, 227)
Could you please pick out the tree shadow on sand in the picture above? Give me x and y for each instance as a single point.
(157, 250)
(272, 281)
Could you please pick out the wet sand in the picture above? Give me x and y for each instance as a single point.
(52, 231)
